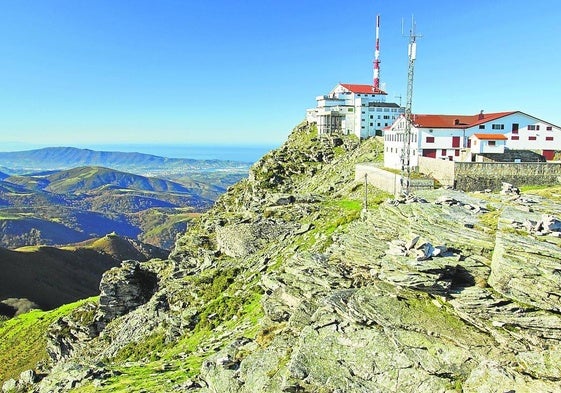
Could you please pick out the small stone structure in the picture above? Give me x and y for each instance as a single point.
(388, 181)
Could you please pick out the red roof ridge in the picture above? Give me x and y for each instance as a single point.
(456, 121)
(362, 89)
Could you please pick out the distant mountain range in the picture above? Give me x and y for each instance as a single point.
(59, 207)
(88, 179)
(58, 195)
(48, 277)
(51, 158)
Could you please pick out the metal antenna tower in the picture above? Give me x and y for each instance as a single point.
(377, 56)
(406, 151)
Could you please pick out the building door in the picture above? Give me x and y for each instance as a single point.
(455, 141)
(429, 153)
(548, 154)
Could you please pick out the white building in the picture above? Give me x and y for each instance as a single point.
(449, 136)
(361, 110)
(487, 143)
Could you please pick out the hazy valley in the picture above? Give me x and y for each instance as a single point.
(56, 196)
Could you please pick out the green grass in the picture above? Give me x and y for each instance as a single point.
(550, 192)
(23, 340)
(489, 221)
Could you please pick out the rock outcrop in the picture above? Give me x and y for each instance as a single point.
(288, 285)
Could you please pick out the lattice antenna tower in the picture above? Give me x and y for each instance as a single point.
(377, 56)
(406, 151)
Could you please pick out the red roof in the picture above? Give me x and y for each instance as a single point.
(456, 121)
(491, 137)
(362, 89)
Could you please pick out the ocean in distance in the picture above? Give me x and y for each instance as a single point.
(243, 153)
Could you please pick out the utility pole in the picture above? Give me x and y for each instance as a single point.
(365, 191)
(406, 151)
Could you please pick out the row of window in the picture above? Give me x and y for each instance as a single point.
(378, 125)
(430, 139)
(515, 126)
(398, 150)
(383, 110)
(399, 137)
(386, 117)
(530, 138)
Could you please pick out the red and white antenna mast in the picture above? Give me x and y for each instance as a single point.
(377, 56)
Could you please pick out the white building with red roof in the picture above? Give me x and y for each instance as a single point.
(487, 143)
(450, 137)
(361, 110)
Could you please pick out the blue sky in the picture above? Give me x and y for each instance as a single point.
(77, 72)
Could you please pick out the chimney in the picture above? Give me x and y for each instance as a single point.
(481, 116)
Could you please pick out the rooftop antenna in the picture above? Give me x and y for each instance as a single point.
(406, 151)
(377, 56)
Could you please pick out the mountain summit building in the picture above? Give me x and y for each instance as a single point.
(470, 137)
(361, 110)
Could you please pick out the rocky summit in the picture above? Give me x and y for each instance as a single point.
(289, 285)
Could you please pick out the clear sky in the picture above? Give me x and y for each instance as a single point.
(78, 72)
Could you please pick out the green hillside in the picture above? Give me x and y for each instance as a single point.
(50, 276)
(67, 206)
(23, 340)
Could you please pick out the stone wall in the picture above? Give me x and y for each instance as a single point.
(388, 181)
(478, 176)
(441, 170)
(474, 176)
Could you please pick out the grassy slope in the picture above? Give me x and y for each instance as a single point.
(228, 297)
(23, 339)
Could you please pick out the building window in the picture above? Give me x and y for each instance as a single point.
(532, 138)
(548, 138)
(371, 116)
(514, 138)
(531, 127)
(492, 143)
(498, 126)
(482, 126)
(386, 117)
(515, 128)
(378, 124)
(430, 139)
(549, 128)
(443, 152)
(371, 124)
(351, 109)
(457, 153)
(362, 127)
